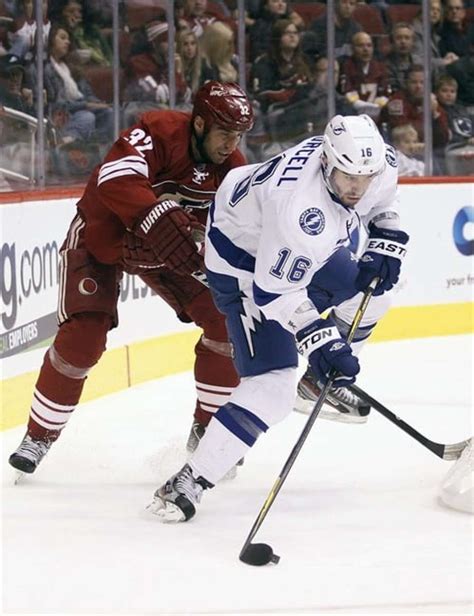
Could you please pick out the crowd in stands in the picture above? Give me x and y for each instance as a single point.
(378, 71)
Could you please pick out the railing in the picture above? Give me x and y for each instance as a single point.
(32, 124)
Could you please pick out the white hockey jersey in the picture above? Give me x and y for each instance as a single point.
(273, 225)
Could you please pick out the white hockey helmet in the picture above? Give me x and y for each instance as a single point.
(354, 145)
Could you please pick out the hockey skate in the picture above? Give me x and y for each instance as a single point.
(340, 405)
(175, 501)
(29, 454)
(195, 435)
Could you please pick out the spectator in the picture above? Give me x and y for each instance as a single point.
(314, 42)
(147, 74)
(281, 75)
(197, 16)
(364, 81)
(459, 119)
(74, 110)
(406, 107)
(319, 96)
(88, 45)
(218, 47)
(13, 92)
(23, 37)
(436, 19)
(402, 57)
(457, 35)
(15, 136)
(260, 33)
(190, 62)
(406, 143)
(463, 71)
(281, 81)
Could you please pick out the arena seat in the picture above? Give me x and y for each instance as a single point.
(101, 81)
(402, 12)
(370, 18)
(309, 11)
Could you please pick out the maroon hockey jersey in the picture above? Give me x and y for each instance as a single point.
(149, 162)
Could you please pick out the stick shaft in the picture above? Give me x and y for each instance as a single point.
(446, 452)
(309, 424)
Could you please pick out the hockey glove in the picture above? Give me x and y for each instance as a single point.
(321, 343)
(382, 258)
(137, 255)
(167, 230)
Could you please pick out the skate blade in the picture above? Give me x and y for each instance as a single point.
(305, 407)
(18, 477)
(165, 511)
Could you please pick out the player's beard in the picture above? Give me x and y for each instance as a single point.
(200, 147)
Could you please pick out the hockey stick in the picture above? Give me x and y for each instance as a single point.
(446, 452)
(258, 554)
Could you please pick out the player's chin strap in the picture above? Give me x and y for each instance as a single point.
(446, 452)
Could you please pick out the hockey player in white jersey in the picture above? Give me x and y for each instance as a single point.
(277, 256)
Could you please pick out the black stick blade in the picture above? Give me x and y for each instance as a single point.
(258, 554)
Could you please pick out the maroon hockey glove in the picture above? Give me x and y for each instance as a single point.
(137, 256)
(167, 230)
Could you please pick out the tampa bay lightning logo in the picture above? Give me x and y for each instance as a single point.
(312, 221)
(390, 156)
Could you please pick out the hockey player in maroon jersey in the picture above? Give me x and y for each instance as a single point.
(140, 213)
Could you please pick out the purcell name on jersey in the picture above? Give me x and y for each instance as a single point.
(276, 224)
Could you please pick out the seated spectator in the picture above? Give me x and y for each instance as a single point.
(281, 81)
(406, 107)
(197, 16)
(146, 74)
(463, 71)
(15, 135)
(88, 45)
(190, 62)
(23, 35)
(281, 75)
(364, 81)
(260, 33)
(319, 96)
(314, 42)
(402, 57)
(460, 121)
(457, 35)
(74, 110)
(438, 62)
(408, 148)
(13, 92)
(218, 48)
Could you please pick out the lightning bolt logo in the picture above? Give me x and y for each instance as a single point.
(250, 314)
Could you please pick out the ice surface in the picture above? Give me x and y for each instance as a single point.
(358, 524)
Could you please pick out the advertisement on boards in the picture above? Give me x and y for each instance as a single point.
(32, 235)
(439, 266)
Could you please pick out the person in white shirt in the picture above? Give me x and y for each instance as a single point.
(277, 256)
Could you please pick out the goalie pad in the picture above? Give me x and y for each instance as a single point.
(85, 285)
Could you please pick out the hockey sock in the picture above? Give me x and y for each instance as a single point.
(215, 377)
(54, 399)
(227, 439)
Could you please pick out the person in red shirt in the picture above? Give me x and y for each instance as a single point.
(364, 80)
(143, 212)
(406, 107)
